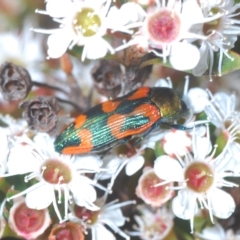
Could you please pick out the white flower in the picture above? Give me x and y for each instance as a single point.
(26, 222)
(109, 214)
(176, 142)
(164, 29)
(152, 224)
(200, 178)
(221, 34)
(196, 99)
(83, 23)
(153, 195)
(54, 172)
(221, 112)
(23, 49)
(132, 12)
(15, 127)
(114, 164)
(217, 232)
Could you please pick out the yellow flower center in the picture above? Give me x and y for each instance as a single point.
(86, 22)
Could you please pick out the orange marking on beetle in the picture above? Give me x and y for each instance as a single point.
(85, 146)
(80, 120)
(86, 140)
(140, 93)
(110, 106)
(116, 121)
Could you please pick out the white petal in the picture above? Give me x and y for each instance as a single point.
(192, 10)
(168, 168)
(114, 19)
(100, 232)
(58, 43)
(115, 216)
(40, 197)
(95, 51)
(215, 232)
(134, 165)
(184, 56)
(203, 63)
(222, 203)
(202, 147)
(184, 205)
(225, 101)
(84, 195)
(197, 98)
(134, 12)
(21, 160)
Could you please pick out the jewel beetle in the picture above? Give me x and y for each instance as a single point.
(114, 122)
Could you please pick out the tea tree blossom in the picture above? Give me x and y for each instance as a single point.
(200, 178)
(109, 214)
(114, 164)
(26, 222)
(152, 224)
(54, 172)
(221, 34)
(82, 23)
(149, 193)
(217, 232)
(221, 111)
(176, 142)
(165, 27)
(27, 44)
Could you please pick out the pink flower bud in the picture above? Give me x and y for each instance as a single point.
(26, 222)
(151, 194)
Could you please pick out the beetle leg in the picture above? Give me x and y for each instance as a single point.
(181, 127)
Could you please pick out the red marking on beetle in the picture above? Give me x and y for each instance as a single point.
(140, 93)
(80, 120)
(116, 121)
(85, 146)
(110, 106)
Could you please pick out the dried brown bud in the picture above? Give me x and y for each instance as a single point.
(108, 76)
(135, 76)
(41, 113)
(15, 82)
(68, 230)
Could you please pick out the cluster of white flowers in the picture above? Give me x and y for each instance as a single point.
(180, 169)
(173, 29)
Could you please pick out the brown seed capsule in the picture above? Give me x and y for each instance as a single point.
(108, 77)
(41, 114)
(15, 82)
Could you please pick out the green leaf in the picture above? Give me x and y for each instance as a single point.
(155, 61)
(228, 65)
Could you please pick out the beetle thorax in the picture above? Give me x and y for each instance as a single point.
(168, 102)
